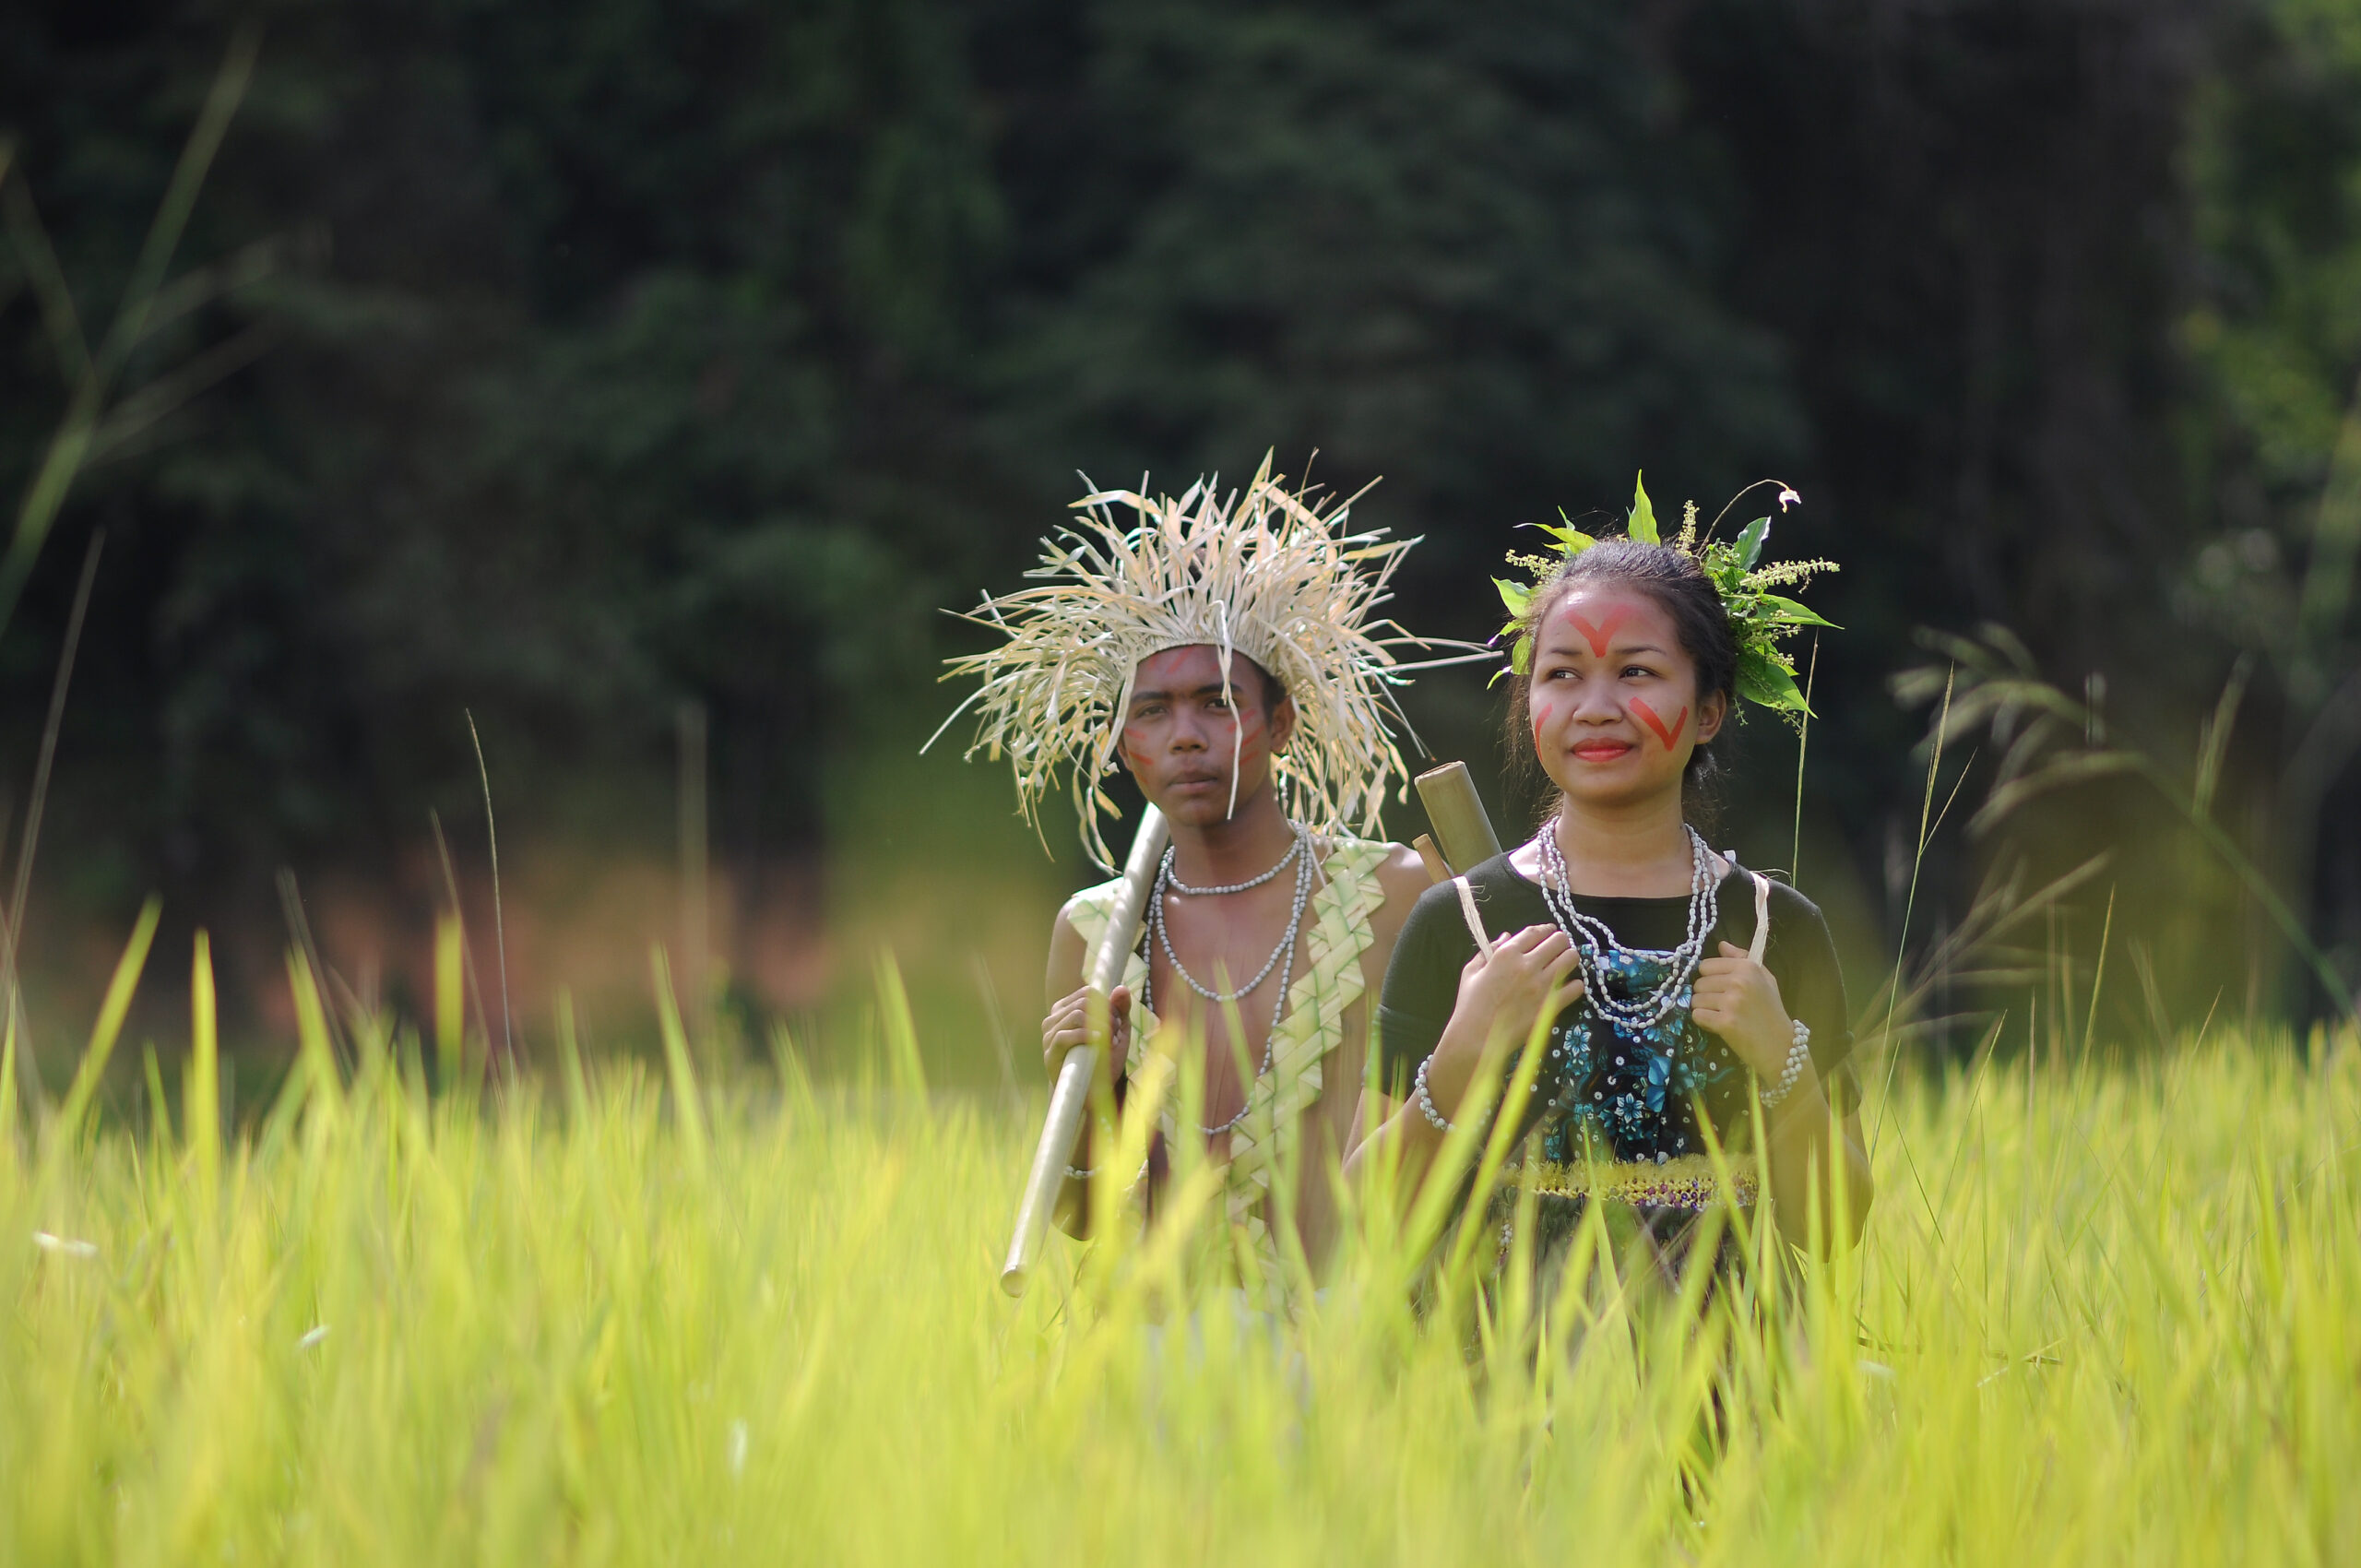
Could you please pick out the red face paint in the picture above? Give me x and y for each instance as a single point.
(1648, 717)
(1597, 636)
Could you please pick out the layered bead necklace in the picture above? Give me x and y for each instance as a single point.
(1282, 957)
(1594, 939)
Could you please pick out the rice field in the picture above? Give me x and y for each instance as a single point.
(2101, 1314)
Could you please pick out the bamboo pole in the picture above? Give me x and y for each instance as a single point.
(1463, 830)
(1063, 1126)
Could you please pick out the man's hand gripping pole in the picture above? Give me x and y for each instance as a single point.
(1062, 1127)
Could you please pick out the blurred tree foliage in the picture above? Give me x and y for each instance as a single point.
(626, 352)
(2274, 443)
(610, 369)
(1473, 249)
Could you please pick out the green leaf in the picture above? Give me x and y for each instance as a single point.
(1750, 543)
(1761, 679)
(1642, 522)
(1571, 539)
(1515, 596)
(1521, 655)
(1787, 613)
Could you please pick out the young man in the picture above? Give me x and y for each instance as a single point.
(1223, 653)
(1250, 907)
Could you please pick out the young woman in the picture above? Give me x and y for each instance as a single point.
(1680, 991)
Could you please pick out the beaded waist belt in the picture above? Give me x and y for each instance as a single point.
(1690, 1183)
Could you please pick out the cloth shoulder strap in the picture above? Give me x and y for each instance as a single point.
(1475, 921)
(1761, 915)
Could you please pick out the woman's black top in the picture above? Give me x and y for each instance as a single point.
(1630, 1094)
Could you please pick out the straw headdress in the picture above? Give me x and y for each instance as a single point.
(1265, 572)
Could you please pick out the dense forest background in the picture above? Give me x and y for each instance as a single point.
(622, 370)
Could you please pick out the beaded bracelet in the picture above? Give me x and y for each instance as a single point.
(1798, 1057)
(1425, 1101)
(1076, 1174)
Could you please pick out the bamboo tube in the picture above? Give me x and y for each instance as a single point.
(1437, 869)
(1072, 1096)
(1463, 831)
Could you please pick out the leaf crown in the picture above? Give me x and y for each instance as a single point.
(1760, 619)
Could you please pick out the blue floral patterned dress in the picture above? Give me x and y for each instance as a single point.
(1632, 1095)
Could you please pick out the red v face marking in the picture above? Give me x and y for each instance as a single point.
(1648, 717)
(1597, 636)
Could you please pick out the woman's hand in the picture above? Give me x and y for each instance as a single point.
(1068, 1026)
(1499, 997)
(1737, 999)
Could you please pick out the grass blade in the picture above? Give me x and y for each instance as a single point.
(688, 1109)
(103, 1034)
(201, 1101)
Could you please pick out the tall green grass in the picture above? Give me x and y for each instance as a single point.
(2100, 1315)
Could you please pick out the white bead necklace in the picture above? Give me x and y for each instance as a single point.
(1172, 879)
(1594, 937)
(1282, 957)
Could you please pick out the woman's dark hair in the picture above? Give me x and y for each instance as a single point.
(1674, 579)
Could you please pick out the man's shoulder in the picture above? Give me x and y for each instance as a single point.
(1396, 875)
(1086, 912)
(1396, 867)
(1091, 900)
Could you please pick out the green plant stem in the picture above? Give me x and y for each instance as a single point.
(63, 461)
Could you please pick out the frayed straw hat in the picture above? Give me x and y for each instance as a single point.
(1265, 572)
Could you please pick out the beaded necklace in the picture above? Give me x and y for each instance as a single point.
(1594, 939)
(1282, 957)
(1172, 880)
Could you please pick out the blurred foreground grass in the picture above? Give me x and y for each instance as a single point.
(2101, 1315)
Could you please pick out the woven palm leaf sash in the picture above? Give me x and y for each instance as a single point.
(1312, 1026)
